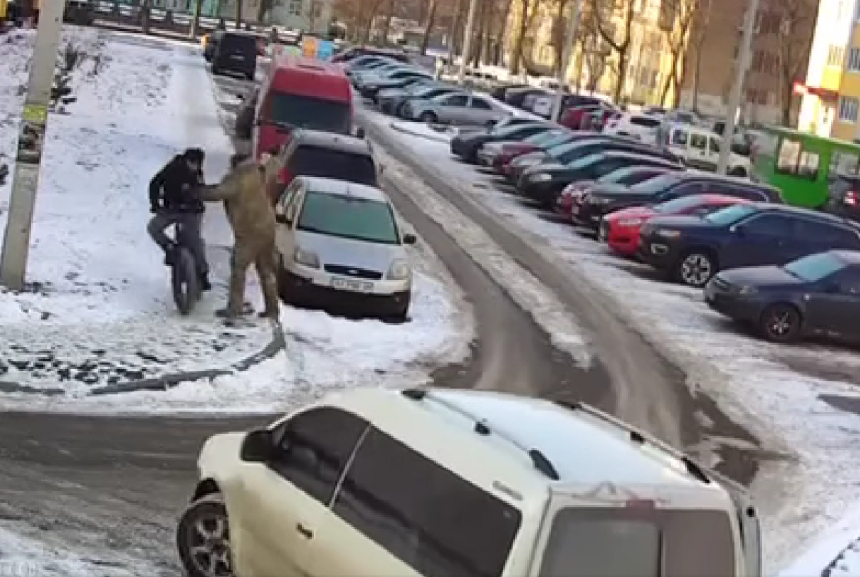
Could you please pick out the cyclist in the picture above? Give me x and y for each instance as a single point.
(173, 200)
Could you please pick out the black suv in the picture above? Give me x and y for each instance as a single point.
(603, 199)
(234, 52)
(328, 155)
(693, 249)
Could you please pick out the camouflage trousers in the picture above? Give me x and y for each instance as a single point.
(264, 258)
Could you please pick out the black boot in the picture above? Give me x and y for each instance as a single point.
(205, 285)
(170, 255)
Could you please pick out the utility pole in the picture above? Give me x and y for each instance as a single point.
(195, 22)
(31, 138)
(743, 64)
(467, 41)
(565, 58)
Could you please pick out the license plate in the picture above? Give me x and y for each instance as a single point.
(346, 284)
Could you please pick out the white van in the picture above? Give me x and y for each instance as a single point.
(700, 148)
(441, 482)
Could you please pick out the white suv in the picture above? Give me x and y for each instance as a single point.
(440, 482)
(340, 247)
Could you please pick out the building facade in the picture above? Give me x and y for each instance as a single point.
(783, 33)
(831, 94)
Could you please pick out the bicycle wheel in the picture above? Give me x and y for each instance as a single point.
(186, 285)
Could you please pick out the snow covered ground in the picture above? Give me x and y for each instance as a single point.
(754, 382)
(100, 312)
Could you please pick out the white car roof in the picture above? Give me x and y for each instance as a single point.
(553, 444)
(343, 188)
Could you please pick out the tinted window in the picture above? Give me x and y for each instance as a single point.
(331, 163)
(425, 515)
(815, 267)
(618, 542)
(349, 217)
(745, 192)
(631, 175)
(730, 215)
(455, 100)
(644, 121)
(292, 110)
(545, 137)
(679, 204)
(239, 42)
(483, 105)
(698, 141)
(683, 189)
(770, 225)
(315, 447)
(656, 185)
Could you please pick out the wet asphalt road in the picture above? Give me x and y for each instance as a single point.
(113, 487)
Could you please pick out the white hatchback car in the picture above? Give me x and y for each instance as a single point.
(441, 482)
(340, 247)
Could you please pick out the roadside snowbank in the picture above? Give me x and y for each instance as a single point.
(758, 384)
(102, 312)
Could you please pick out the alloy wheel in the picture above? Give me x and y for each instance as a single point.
(696, 269)
(209, 545)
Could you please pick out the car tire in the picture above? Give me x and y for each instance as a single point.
(428, 118)
(695, 268)
(203, 538)
(780, 323)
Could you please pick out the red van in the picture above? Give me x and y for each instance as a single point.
(301, 93)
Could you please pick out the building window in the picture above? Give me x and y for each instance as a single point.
(295, 8)
(848, 109)
(836, 56)
(854, 60)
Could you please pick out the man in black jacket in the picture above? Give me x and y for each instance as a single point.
(173, 200)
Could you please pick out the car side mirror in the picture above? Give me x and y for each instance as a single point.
(359, 133)
(258, 446)
(409, 239)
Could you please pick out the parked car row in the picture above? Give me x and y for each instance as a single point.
(786, 271)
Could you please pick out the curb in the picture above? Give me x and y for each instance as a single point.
(164, 382)
(398, 126)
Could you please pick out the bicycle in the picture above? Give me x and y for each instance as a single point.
(184, 279)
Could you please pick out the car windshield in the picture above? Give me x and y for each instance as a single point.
(624, 176)
(348, 217)
(655, 185)
(544, 137)
(239, 42)
(561, 149)
(586, 541)
(586, 161)
(816, 267)
(730, 214)
(332, 163)
(678, 205)
(421, 90)
(313, 113)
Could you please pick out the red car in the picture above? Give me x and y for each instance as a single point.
(621, 229)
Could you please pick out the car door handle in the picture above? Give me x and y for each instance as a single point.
(304, 531)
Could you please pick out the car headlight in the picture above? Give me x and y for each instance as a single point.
(399, 270)
(747, 290)
(540, 177)
(630, 221)
(306, 258)
(666, 233)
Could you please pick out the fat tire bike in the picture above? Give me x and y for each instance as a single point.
(184, 279)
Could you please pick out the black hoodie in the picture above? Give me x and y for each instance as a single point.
(172, 187)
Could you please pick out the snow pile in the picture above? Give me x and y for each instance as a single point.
(100, 311)
(830, 556)
(778, 392)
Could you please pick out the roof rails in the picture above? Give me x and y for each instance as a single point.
(538, 459)
(637, 437)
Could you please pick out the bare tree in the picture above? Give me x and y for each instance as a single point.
(428, 26)
(795, 16)
(593, 55)
(528, 9)
(238, 14)
(559, 32)
(386, 25)
(195, 22)
(676, 19)
(619, 38)
(702, 22)
(264, 8)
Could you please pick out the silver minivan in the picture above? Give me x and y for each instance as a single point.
(341, 248)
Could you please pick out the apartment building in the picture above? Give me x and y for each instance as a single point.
(831, 93)
(782, 36)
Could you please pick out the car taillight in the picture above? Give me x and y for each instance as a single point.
(851, 198)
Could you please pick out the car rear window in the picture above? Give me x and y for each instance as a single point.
(597, 542)
(348, 217)
(332, 163)
(239, 42)
(313, 113)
